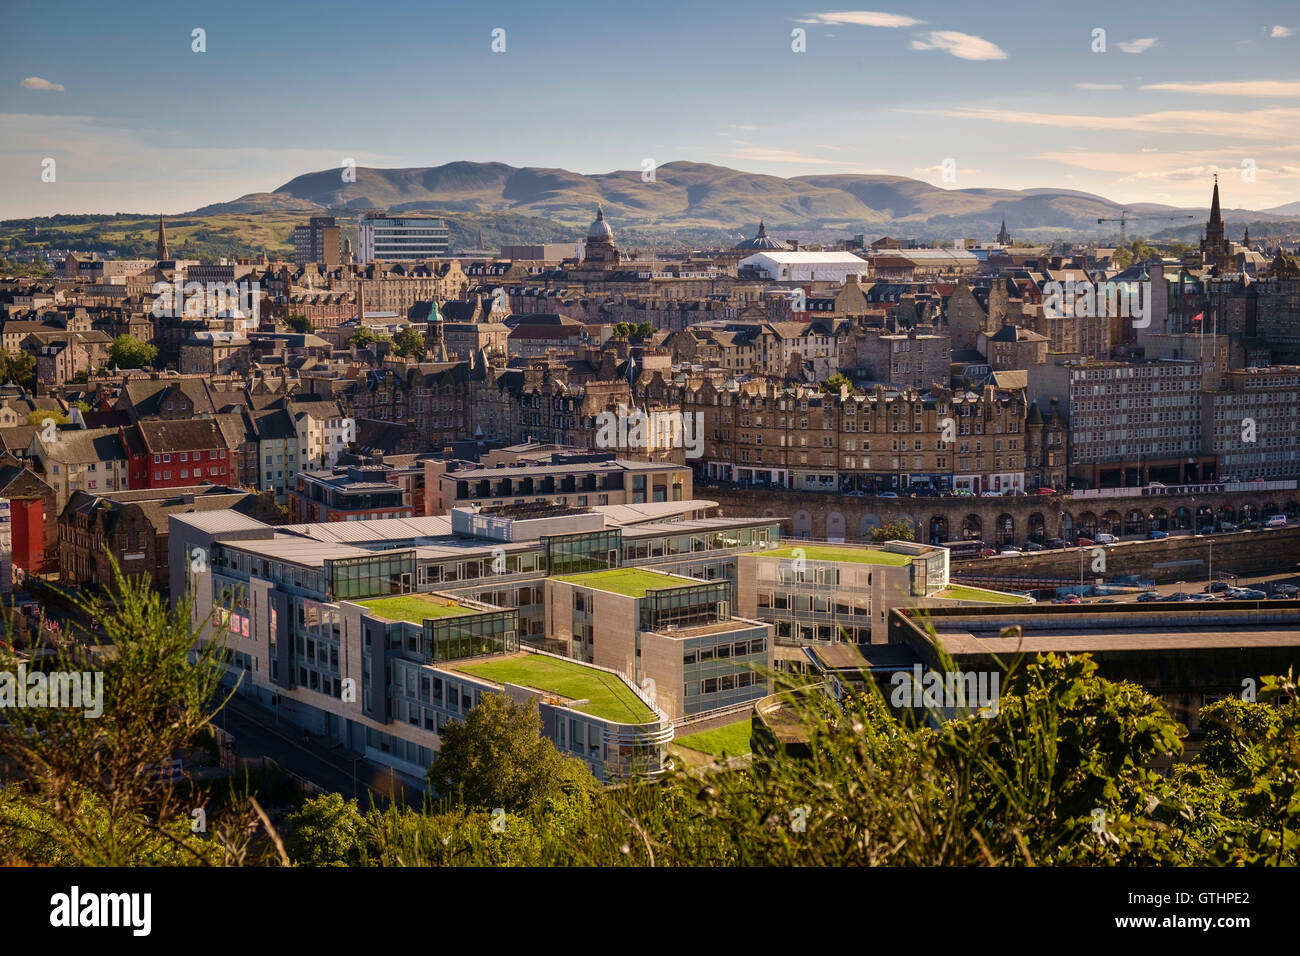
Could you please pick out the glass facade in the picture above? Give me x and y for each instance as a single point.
(389, 572)
(689, 606)
(720, 670)
(578, 553)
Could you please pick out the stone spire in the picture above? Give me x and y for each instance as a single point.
(160, 250)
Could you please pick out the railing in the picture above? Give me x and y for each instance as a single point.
(1206, 488)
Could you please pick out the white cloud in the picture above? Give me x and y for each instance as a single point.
(862, 18)
(1252, 124)
(1279, 32)
(1232, 88)
(1099, 86)
(769, 154)
(38, 83)
(961, 45)
(1138, 46)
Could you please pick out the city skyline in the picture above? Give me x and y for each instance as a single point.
(999, 98)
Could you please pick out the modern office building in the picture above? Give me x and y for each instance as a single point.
(373, 632)
(318, 241)
(356, 493)
(400, 238)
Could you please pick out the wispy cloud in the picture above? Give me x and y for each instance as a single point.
(1231, 88)
(1138, 46)
(961, 45)
(1253, 124)
(770, 154)
(941, 169)
(1280, 32)
(1175, 166)
(861, 18)
(1099, 86)
(40, 83)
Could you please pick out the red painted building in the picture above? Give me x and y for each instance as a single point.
(173, 454)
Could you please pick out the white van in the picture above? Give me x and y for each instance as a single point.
(1104, 538)
(1275, 521)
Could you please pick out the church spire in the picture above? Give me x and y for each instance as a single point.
(1215, 215)
(160, 250)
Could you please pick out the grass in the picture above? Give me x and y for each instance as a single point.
(630, 581)
(606, 695)
(410, 607)
(957, 592)
(854, 555)
(729, 741)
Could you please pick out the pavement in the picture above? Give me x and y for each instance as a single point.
(324, 762)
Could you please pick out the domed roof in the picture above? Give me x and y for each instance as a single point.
(763, 242)
(600, 228)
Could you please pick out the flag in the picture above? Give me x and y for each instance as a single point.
(1198, 316)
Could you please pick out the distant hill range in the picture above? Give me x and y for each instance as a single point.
(698, 198)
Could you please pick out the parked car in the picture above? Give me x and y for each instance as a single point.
(1214, 587)
(1254, 480)
(1068, 599)
(1105, 538)
(1146, 596)
(1155, 534)
(987, 552)
(1084, 542)
(887, 494)
(1178, 597)
(1033, 546)
(1056, 543)
(1251, 594)
(1276, 521)
(1045, 491)
(1286, 589)
(1202, 596)
(1011, 553)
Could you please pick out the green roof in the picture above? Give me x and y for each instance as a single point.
(633, 582)
(848, 554)
(606, 694)
(413, 608)
(959, 592)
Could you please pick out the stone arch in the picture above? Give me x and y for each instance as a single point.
(1135, 522)
(1248, 512)
(1036, 527)
(1225, 515)
(1204, 517)
(909, 521)
(1067, 527)
(1291, 509)
(835, 527)
(1004, 529)
(1159, 519)
(1110, 523)
(1182, 519)
(1267, 510)
(938, 529)
(971, 528)
(802, 522)
(1086, 526)
(866, 524)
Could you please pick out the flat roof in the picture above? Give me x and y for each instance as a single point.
(415, 608)
(632, 582)
(1183, 637)
(525, 471)
(604, 694)
(847, 554)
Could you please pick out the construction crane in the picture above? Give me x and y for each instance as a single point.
(1124, 217)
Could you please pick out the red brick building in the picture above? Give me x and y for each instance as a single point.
(173, 454)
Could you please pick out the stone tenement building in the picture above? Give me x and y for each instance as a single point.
(765, 434)
(429, 400)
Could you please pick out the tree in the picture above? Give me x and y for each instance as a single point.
(363, 337)
(19, 369)
(326, 831)
(41, 415)
(497, 757)
(899, 530)
(832, 385)
(299, 323)
(410, 341)
(128, 352)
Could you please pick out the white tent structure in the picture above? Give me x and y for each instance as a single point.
(806, 266)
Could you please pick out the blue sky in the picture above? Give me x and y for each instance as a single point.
(1011, 93)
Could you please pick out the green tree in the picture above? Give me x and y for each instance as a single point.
(832, 385)
(364, 337)
(497, 757)
(326, 831)
(19, 368)
(41, 415)
(299, 323)
(410, 342)
(898, 530)
(128, 352)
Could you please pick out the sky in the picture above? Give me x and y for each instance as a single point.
(961, 95)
